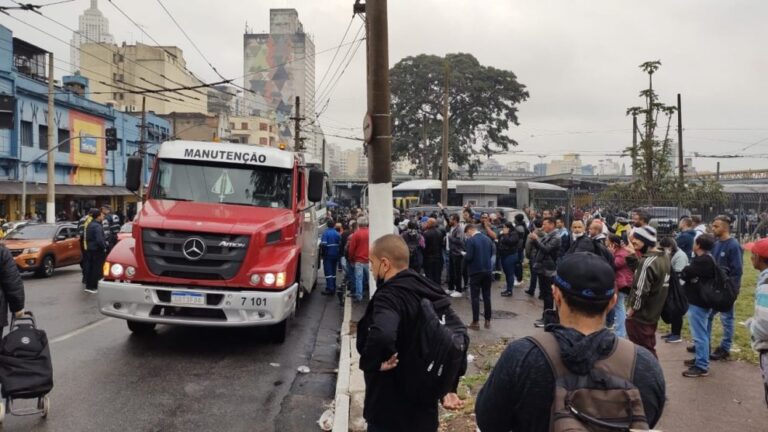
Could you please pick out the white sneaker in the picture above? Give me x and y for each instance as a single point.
(449, 292)
(457, 294)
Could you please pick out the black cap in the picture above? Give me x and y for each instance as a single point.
(585, 275)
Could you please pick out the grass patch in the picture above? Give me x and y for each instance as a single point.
(745, 308)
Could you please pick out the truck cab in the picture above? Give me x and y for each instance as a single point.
(226, 237)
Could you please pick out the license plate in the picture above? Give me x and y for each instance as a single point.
(186, 298)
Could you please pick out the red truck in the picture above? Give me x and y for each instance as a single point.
(227, 236)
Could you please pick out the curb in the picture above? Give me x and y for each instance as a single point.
(341, 413)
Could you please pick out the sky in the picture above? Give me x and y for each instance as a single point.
(578, 59)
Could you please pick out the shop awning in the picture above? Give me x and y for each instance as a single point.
(14, 188)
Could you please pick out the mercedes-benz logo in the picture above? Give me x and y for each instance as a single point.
(194, 248)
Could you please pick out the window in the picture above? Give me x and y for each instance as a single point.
(42, 137)
(262, 126)
(271, 129)
(231, 125)
(244, 125)
(63, 136)
(26, 134)
(263, 141)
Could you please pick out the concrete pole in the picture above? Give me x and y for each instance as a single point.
(380, 147)
(680, 165)
(444, 173)
(50, 205)
(142, 152)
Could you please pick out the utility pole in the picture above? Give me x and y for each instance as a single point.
(425, 153)
(681, 168)
(444, 174)
(323, 161)
(297, 119)
(142, 152)
(380, 145)
(634, 145)
(50, 205)
(717, 173)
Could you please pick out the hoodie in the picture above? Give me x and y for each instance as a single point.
(519, 392)
(758, 324)
(388, 328)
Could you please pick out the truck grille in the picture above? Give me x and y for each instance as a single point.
(164, 255)
(16, 252)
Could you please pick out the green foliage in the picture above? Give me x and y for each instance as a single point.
(482, 106)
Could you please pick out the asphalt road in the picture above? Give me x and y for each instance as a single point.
(182, 378)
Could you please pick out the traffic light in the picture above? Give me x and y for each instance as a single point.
(111, 134)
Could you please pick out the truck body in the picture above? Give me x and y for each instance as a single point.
(227, 236)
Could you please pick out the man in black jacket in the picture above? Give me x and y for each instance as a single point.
(545, 252)
(97, 251)
(11, 287)
(434, 238)
(701, 270)
(519, 393)
(385, 338)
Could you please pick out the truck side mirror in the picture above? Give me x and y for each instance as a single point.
(316, 182)
(133, 173)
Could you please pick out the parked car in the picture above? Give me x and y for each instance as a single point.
(42, 248)
(125, 231)
(665, 219)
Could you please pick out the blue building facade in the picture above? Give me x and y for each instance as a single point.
(86, 175)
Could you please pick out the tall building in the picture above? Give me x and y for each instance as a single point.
(518, 166)
(278, 67)
(570, 163)
(93, 27)
(540, 169)
(136, 67)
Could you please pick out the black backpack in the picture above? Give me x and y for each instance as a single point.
(676, 304)
(438, 357)
(719, 293)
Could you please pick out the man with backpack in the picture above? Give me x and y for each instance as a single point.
(758, 324)
(400, 395)
(728, 255)
(536, 375)
(434, 239)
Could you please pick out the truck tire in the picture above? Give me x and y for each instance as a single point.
(141, 328)
(278, 332)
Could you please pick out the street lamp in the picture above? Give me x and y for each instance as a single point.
(24, 166)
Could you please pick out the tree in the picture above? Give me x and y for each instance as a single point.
(482, 105)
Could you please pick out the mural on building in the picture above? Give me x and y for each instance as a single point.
(268, 73)
(88, 151)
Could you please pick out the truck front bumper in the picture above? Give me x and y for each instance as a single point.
(221, 308)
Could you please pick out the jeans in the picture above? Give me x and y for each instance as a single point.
(480, 283)
(701, 330)
(545, 289)
(726, 319)
(620, 316)
(508, 263)
(455, 273)
(519, 266)
(764, 368)
(329, 270)
(361, 275)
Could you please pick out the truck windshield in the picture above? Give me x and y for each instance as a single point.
(209, 182)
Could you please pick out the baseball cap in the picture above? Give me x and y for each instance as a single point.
(585, 275)
(759, 248)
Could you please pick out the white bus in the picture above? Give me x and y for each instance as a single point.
(483, 193)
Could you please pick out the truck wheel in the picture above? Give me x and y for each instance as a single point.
(47, 267)
(141, 328)
(279, 331)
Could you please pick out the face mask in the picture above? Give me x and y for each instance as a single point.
(578, 235)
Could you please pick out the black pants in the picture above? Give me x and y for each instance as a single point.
(455, 276)
(95, 268)
(84, 263)
(545, 289)
(433, 269)
(481, 283)
(677, 325)
(519, 266)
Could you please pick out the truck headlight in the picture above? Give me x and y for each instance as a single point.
(117, 270)
(130, 271)
(280, 279)
(269, 279)
(32, 250)
(255, 279)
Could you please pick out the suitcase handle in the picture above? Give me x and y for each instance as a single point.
(28, 316)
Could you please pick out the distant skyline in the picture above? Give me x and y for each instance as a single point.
(578, 58)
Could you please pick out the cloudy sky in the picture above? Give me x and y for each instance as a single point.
(578, 58)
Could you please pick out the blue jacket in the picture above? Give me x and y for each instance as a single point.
(479, 250)
(685, 241)
(729, 255)
(330, 243)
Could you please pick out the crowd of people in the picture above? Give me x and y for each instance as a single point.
(603, 284)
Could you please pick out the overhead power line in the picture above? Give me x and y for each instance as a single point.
(335, 54)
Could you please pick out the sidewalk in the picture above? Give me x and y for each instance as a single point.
(730, 399)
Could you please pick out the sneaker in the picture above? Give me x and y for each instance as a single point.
(690, 362)
(506, 293)
(666, 336)
(539, 323)
(519, 284)
(674, 339)
(447, 291)
(691, 349)
(357, 299)
(611, 327)
(487, 324)
(89, 290)
(530, 293)
(720, 354)
(694, 372)
(457, 294)
(328, 293)
(475, 325)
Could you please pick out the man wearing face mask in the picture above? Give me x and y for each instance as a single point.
(385, 337)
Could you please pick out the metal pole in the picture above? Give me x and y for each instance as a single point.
(323, 162)
(380, 146)
(23, 191)
(142, 151)
(681, 168)
(444, 173)
(50, 205)
(634, 145)
(297, 126)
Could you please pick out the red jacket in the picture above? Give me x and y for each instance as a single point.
(358, 246)
(624, 274)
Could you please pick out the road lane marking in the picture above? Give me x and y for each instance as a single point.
(81, 330)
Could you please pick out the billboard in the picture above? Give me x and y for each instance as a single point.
(88, 145)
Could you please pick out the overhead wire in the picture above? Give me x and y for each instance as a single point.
(335, 54)
(321, 91)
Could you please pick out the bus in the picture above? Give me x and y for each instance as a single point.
(484, 193)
